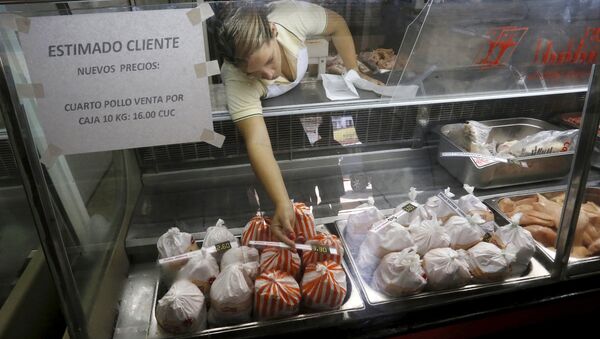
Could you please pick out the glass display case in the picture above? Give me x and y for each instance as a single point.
(453, 166)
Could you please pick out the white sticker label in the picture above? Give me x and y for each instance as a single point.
(118, 80)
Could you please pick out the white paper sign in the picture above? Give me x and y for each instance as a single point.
(118, 80)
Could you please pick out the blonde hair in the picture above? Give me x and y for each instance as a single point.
(243, 29)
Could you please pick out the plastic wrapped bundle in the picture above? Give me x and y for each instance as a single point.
(400, 274)
(324, 285)
(218, 234)
(438, 208)
(257, 229)
(411, 209)
(446, 268)
(470, 204)
(231, 297)
(359, 224)
(201, 270)
(329, 240)
(246, 256)
(477, 135)
(276, 295)
(282, 259)
(463, 232)
(305, 223)
(182, 309)
(522, 241)
(428, 234)
(174, 242)
(488, 263)
(392, 237)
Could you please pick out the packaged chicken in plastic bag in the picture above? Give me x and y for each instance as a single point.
(359, 223)
(400, 274)
(435, 206)
(446, 268)
(276, 295)
(324, 285)
(328, 241)
(202, 270)
(283, 259)
(470, 204)
(246, 256)
(174, 242)
(428, 234)
(218, 234)
(381, 240)
(544, 142)
(257, 229)
(231, 297)
(182, 309)
(464, 233)
(524, 245)
(409, 210)
(477, 135)
(487, 262)
(305, 223)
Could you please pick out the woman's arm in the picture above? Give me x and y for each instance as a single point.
(254, 131)
(343, 42)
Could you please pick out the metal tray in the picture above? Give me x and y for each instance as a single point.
(480, 175)
(535, 274)
(305, 320)
(548, 254)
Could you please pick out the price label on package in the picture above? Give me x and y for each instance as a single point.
(320, 249)
(223, 246)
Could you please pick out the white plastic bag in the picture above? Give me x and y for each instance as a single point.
(446, 268)
(182, 309)
(239, 255)
(438, 208)
(218, 234)
(174, 242)
(231, 297)
(477, 135)
(470, 204)
(411, 209)
(463, 232)
(524, 245)
(400, 274)
(428, 234)
(201, 270)
(545, 142)
(393, 237)
(487, 262)
(359, 224)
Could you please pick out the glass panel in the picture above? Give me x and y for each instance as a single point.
(512, 46)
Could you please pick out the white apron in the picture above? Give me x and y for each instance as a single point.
(276, 90)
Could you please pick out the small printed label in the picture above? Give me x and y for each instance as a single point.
(409, 208)
(224, 246)
(487, 237)
(320, 249)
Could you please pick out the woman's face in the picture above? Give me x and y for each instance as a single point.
(265, 63)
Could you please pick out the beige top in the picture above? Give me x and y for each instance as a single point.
(296, 20)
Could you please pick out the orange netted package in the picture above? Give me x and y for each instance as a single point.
(324, 285)
(305, 223)
(328, 240)
(276, 295)
(257, 229)
(274, 258)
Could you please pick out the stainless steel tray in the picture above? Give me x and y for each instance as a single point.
(307, 320)
(548, 255)
(472, 172)
(536, 274)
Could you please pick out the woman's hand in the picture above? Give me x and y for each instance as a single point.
(282, 224)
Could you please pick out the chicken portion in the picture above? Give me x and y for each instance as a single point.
(542, 216)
